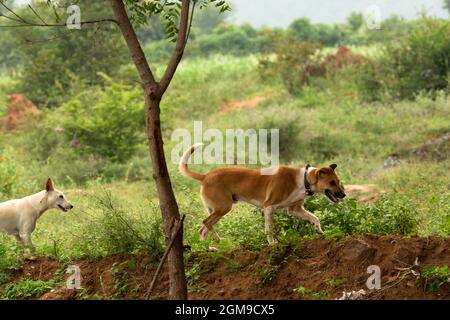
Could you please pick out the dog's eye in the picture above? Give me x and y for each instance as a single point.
(61, 197)
(333, 183)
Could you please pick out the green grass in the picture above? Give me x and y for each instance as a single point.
(26, 289)
(318, 128)
(6, 84)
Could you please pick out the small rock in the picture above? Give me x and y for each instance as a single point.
(405, 255)
(357, 250)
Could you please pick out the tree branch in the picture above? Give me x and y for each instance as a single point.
(36, 14)
(190, 22)
(179, 48)
(24, 23)
(7, 8)
(139, 59)
(33, 24)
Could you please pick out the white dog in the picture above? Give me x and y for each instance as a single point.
(18, 217)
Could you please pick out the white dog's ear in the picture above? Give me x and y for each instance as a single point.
(49, 185)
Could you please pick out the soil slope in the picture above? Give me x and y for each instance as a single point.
(324, 268)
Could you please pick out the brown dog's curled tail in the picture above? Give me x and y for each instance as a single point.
(184, 161)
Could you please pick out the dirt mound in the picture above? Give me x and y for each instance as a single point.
(248, 103)
(363, 193)
(322, 269)
(20, 108)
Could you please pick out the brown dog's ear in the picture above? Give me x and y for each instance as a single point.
(314, 176)
(333, 166)
(323, 172)
(49, 186)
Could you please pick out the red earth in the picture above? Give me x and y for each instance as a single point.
(20, 108)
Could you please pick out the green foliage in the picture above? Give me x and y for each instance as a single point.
(206, 20)
(267, 274)
(111, 230)
(335, 283)
(193, 275)
(313, 295)
(328, 35)
(350, 218)
(81, 53)
(295, 63)
(227, 39)
(8, 174)
(355, 20)
(107, 122)
(26, 289)
(434, 277)
(122, 279)
(140, 10)
(418, 62)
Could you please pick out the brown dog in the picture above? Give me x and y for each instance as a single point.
(286, 188)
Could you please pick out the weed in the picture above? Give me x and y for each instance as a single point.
(334, 283)
(434, 277)
(314, 295)
(26, 289)
(193, 276)
(267, 274)
(233, 266)
(122, 279)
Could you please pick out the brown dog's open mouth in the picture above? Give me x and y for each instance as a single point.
(331, 196)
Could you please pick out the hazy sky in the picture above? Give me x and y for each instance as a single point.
(282, 12)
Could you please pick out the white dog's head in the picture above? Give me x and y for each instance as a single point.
(55, 198)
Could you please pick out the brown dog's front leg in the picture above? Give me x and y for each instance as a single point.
(268, 218)
(301, 212)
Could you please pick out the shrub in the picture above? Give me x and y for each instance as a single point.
(26, 289)
(106, 122)
(9, 174)
(111, 229)
(352, 218)
(296, 63)
(418, 62)
(227, 39)
(434, 278)
(48, 84)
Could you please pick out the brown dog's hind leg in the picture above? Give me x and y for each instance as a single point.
(208, 223)
(218, 203)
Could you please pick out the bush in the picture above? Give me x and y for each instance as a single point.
(228, 40)
(328, 35)
(352, 218)
(418, 62)
(73, 53)
(296, 63)
(111, 229)
(9, 174)
(106, 122)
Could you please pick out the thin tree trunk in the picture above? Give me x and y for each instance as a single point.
(168, 204)
(169, 207)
